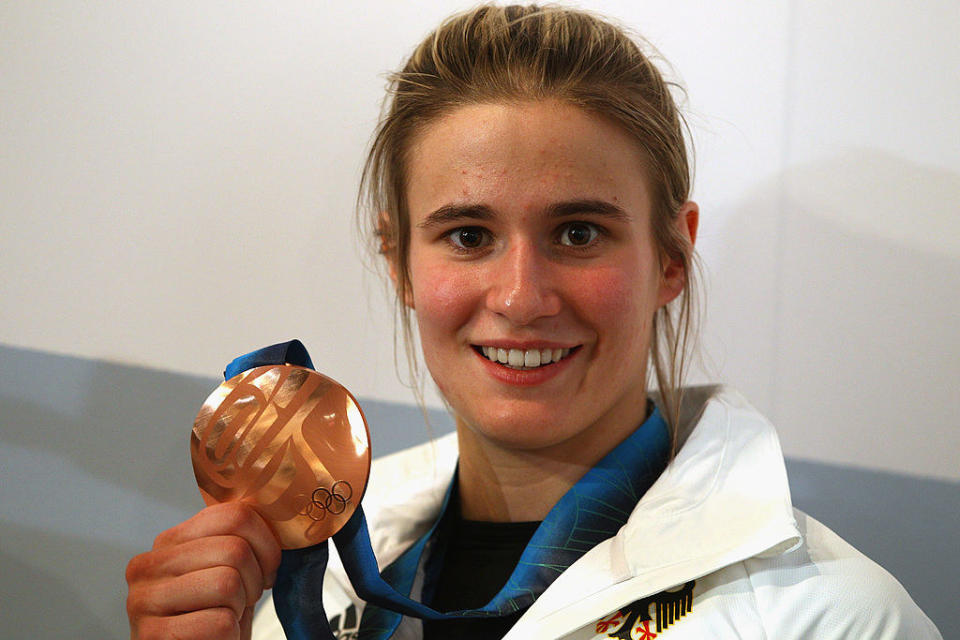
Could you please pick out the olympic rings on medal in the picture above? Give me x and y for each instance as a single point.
(333, 501)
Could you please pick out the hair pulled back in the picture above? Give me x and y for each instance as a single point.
(529, 53)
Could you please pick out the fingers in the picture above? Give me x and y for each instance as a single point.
(203, 553)
(211, 588)
(235, 519)
(220, 623)
(203, 576)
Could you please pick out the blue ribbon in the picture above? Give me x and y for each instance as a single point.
(593, 510)
(292, 352)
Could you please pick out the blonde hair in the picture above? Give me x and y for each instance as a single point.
(529, 53)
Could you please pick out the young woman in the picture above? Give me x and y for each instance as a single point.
(528, 189)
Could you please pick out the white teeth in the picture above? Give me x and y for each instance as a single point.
(531, 358)
(524, 359)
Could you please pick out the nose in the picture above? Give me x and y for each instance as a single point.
(522, 286)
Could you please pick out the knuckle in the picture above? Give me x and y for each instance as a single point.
(236, 515)
(223, 623)
(237, 552)
(138, 567)
(137, 601)
(152, 629)
(229, 585)
(145, 629)
(164, 538)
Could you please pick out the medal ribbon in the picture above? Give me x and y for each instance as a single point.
(593, 510)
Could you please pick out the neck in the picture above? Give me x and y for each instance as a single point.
(510, 486)
(502, 484)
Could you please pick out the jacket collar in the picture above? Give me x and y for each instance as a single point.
(723, 498)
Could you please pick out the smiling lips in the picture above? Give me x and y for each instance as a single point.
(523, 359)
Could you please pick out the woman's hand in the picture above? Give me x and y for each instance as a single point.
(203, 576)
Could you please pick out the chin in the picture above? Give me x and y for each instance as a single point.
(518, 430)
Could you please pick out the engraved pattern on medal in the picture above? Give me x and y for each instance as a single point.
(283, 439)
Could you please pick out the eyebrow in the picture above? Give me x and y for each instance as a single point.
(592, 207)
(453, 213)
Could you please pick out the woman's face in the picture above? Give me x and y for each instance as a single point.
(530, 243)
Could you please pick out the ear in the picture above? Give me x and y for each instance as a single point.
(674, 276)
(388, 249)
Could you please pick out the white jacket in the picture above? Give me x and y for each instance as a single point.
(714, 549)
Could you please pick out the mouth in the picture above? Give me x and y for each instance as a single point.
(524, 359)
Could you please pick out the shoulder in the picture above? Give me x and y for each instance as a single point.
(826, 588)
(405, 494)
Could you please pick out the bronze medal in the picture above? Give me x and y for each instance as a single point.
(289, 441)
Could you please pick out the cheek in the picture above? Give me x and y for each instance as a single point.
(437, 291)
(620, 303)
(617, 290)
(443, 301)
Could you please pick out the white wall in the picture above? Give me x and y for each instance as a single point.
(177, 185)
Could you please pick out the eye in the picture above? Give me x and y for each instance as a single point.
(468, 237)
(578, 234)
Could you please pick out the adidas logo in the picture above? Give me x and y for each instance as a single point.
(345, 625)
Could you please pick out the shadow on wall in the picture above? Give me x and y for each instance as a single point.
(94, 459)
(849, 334)
(47, 583)
(95, 464)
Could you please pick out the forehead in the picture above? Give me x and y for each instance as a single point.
(528, 153)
